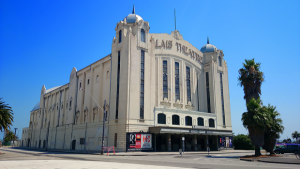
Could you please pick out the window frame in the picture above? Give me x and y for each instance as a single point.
(211, 123)
(143, 35)
(188, 121)
(198, 121)
(175, 120)
(161, 118)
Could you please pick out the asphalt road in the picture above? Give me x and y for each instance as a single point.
(18, 158)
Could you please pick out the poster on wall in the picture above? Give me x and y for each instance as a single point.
(139, 141)
(225, 142)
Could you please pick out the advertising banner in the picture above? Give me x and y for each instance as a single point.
(138, 141)
(225, 142)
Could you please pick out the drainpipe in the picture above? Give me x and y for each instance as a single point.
(109, 101)
(58, 118)
(74, 110)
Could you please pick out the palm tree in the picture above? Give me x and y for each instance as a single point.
(251, 79)
(254, 120)
(10, 136)
(6, 116)
(272, 129)
(296, 135)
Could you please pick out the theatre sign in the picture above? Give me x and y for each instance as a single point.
(180, 48)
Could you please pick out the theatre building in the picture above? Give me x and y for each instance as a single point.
(158, 92)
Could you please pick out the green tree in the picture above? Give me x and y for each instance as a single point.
(255, 121)
(242, 142)
(272, 129)
(251, 79)
(296, 135)
(10, 136)
(6, 116)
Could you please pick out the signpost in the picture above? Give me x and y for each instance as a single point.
(183, 144)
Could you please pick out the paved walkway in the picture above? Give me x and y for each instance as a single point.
(57, 164)
(283, 160)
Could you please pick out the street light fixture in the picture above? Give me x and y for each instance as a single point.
(104, 117)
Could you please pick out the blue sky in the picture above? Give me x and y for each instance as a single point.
(41, 41)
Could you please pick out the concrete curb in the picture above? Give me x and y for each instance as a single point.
(279, 162)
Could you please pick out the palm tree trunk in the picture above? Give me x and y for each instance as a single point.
(257, 151)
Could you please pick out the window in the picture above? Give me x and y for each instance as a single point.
(116, 138)
(142, 85)
(188, 120)
(211, 123)
(97, 78)
(142, 35)
(118, 86)
(56, 107)
(88, 82)
(70, 103)
(207, 93)
(175, 120)
(79, 85)
(177, 89)
(222, 99)
(161, 118)
(120, 36)
(165, 79)
(200, 121)
(197, 92)
(188, 84)
(220, 61)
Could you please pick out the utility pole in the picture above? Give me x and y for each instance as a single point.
(14, 137)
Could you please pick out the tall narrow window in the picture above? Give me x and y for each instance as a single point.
(177, 89)
(200, 121)
(116, 140)
(211, 123)
(197, 92)
(142, 85)
(175, 120)
(188, 120)
(220, 61)
(188, 84)
(165, 79)
(207, 93)
(142, 35)
(118, 87)
(222, 99)
(120, 36)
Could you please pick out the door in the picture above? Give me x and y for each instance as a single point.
(73, 144)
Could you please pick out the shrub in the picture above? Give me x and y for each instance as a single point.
(242, 142)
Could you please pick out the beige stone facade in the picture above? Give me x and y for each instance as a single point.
(141, 96)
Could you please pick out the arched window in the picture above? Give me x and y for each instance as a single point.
(211, 123)
(200, 121)
(175, 120)
(188, 120)
(161, 118)
(120, 36)
(220, 61)
(142, 35)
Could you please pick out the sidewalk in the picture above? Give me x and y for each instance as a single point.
(282, 160)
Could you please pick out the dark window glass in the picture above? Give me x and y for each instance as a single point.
(142, 35)
(207, 93)
(197, 93)
(211, 122)
(88, 81)
(175, 120)
(116, 140)
(142, 85)
(161, 118)
(200, 121)
(79, 85)
(120, 36)
(188, 120)
(222, 99)
(177, 89)
(118, 87)
(220, 61)
(165, 79)
(188, 85)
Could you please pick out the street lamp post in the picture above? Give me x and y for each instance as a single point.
(104, 115)
(14, 137)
